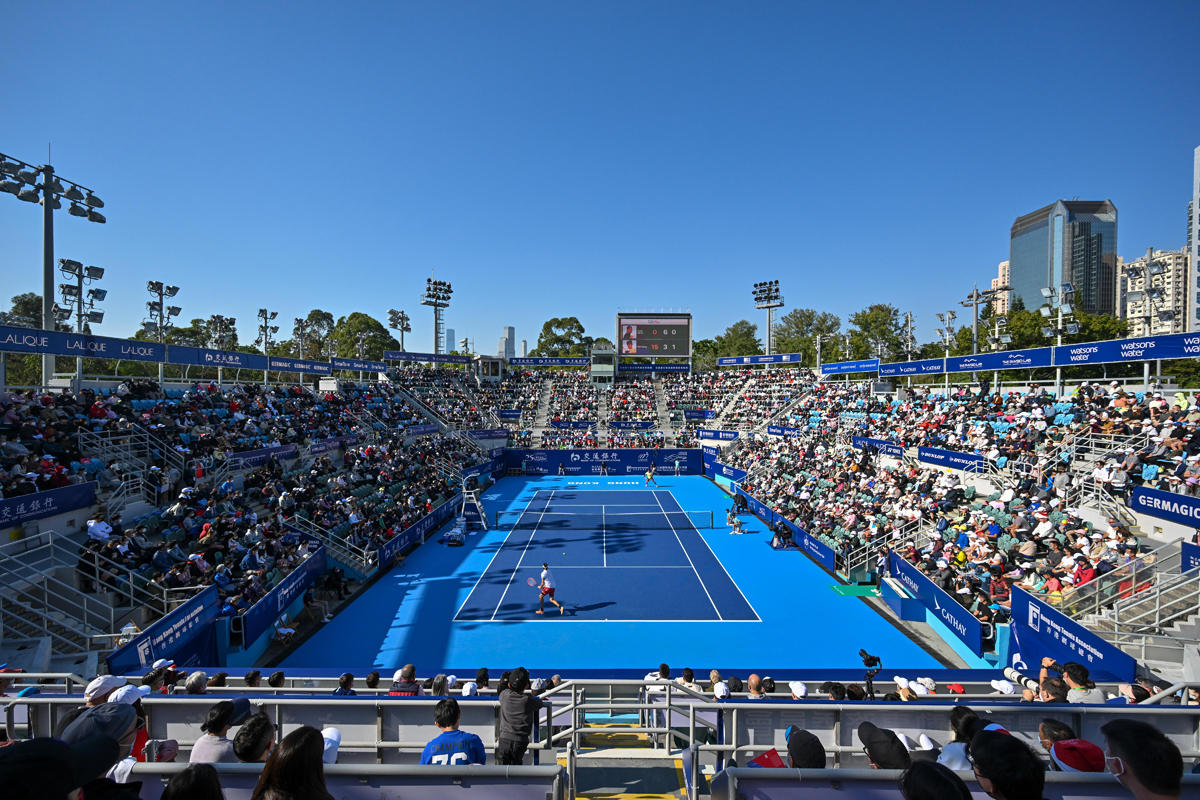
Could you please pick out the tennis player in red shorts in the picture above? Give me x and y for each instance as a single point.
(547, 586)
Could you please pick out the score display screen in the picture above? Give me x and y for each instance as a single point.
(654, 336)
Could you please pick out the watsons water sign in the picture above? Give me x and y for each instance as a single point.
(948, 610)
(1179, 345)
(1167, 505)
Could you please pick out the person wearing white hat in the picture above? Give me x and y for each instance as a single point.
(333, 739)
(470, 689)
(129, 694)
(95, 694)
(799, 690)
(1003, 686)
(721, 690)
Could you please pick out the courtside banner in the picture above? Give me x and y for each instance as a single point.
(29, 340)
(203, 357)
(781, 430)
(256, 458)
(1191, 556)
(948, 610)
(640, 425)
(1167, 505)
(887, 448)
(712, 433)
(433, 358)
(332, 443)
(550, 362)
(871, 365)
(1143, 348)
(298, 365)
(419, 531)
(185, 636)
(813, 547)
(1039, 630)
(576, 424)
(654, 367)
(261, 616)
(1014, 359)
(359, 364)
(952, 459)
(732, 473)
(781, 358)
(631, 461)
(14, 511)
(490, 433)
(711, 453)
(930, 366)
(509, 413)
(699, 413)
(421, 430)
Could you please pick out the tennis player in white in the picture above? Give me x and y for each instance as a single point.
(547, 587)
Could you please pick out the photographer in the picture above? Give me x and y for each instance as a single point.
(1080, 688)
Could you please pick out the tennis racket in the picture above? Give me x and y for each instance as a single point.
(531, 581)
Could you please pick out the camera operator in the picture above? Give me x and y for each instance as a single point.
(1080, 688)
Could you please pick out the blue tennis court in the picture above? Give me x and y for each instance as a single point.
(615, 555)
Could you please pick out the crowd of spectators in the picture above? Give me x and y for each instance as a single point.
(517, 390)
(622, 439)
(702, 390)
(440, 389)
(573, 397)
(568, 439)
(765, 394)
(632, 400)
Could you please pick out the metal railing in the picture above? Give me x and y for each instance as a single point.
(358, 558)
(1123, 582)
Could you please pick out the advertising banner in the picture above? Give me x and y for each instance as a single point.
(261, 616)
(952, 459)
(639, 425)
(631, 461)
(16, 511)
(202, 357)
(813, 547)
(359, 364)
(654, 367)
(779, 358)
(1039, 630)
(699, 413)
(1167, 505)
(421, 430)
(333, 443)
(509, 413)
(885, 447)
(1142, 348)
(29, 340)
(711, 433)
(930, 366)
(185, 636)
(491, 433)
(419, 531)
(488, 467)
(1191, 556)
(783, 430)
(870, 365)
(577, 424)
(1013, 359)
(732, 473)
(256, 458)
(951, 613)
(432, 358)
(298, 365)
(549, 362)
(711, 452)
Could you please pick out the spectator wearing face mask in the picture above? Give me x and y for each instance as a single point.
(1144, 760)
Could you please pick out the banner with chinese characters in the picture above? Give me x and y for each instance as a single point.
(185, 636)
(15, 511)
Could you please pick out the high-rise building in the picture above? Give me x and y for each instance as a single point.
(1193, 248)
(502, 348)
(1000, 303)
(1152, 292)
(1070, 241)
(524, 348)
(509, 335)
(451, 342)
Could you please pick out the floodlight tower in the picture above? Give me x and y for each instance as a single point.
(1060, 300)
(300, 328)
(766, 295)
(398, 320)
(265, 331)
(360, 345)
(220, 331)
(160, 315)
(75, 303)
(437, 295)
(947, 335)
(21, 179)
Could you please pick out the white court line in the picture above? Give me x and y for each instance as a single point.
(714, 555)
(489, 566)
(522, 558)
(603, 537)
(688, 556)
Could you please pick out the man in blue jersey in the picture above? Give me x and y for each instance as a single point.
(452, 747)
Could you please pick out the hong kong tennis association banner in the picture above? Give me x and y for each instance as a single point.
(185, 636)
(1038, 630)
(618, 462)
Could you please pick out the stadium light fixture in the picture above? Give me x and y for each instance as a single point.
(265, 333)
(437, 296)
(97, 295)
(161, 313)
(69, 267)
(767, 297)
(1047, 292)
(93, 273)
(1006, 338)
(1049, 331)
(1072, 328)
(95, 317)
(398, 320)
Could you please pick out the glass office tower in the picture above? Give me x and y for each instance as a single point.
(1071, 241)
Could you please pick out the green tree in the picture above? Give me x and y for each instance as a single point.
(378, 338)
(704, 355)
(562, 336)
(876, 327)
(739, 339)
(797, 332)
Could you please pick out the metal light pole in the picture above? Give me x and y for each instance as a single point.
(265, 331)
(398, 320)
(300, 327)
(910, 339)
(220, 331)
(973, 301)
(21, 179)
(74, 302)
(160, 315)
(766, 295)
(437, 295)
(998, 339)
(820, 338)
(360, 346)
(1066, 323)
(947, 334)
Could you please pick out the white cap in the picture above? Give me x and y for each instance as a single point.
(918, 688)
(451, 681)
(333, 738)
(397, 675)
(129, 694)
(721, 690)
(162, 662)
(470, 689)
(901, 682)
(799, 688)
(102, 684)
(928, 683)
(1004, 687)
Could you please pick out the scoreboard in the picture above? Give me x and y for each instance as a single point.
(664, 336)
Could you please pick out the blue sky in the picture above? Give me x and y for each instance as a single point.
(555, 159)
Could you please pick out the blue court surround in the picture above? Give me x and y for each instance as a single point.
(638, 591)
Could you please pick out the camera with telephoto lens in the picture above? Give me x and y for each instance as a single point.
(1054, 666)
(1020, 680)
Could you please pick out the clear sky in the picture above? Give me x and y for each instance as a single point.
(564, 159)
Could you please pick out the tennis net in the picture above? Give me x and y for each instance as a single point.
(602, 520)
